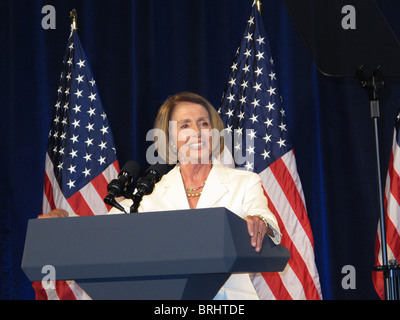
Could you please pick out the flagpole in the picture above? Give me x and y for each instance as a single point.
(74, 19)
(259, 4)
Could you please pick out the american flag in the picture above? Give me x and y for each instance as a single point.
(392, 212)
(81, 157)
(252, 111)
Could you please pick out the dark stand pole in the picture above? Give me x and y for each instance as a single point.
(391, 269)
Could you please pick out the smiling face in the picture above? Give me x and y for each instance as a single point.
(190, 126)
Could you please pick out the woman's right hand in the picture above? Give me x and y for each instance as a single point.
(56, 213)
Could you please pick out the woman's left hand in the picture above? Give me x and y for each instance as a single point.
(257, 231)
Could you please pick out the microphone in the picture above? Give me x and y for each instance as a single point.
(145, 185)
(117, 187)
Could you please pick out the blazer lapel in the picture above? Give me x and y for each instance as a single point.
(175, 191)
(216, 186)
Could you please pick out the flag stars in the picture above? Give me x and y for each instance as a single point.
(77, 109)
(88, 157)
(281, 143)
(265, 154)
(88, 142)
(102, 145)
(257, 86)
(252, 134)
(272, 76)
(256, 103)
(260, 55)
(90, 126)
(102, 160)
(260, 40)
(73, 153)
(71, 184)
(74, 138)
(86, 172)
(229, 113)
(258, 71)
(78, 93)
(271, 91)
(249, 36)
(91, 111)
(251, 21)
(247, 53)
(81, 63)
(71, 169)
(249, 166)
(231, 97)
(76, 123)
(269, 123)
(92, 96)
(228, 129)
(270, 106)
(79, 79)
(104, 130)
(250, 150)
(254, 118)
(267, 138)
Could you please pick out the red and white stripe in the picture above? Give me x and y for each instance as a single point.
(392, 217)
(300, 279)
(85, 202)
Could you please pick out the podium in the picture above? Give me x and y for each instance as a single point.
(185, 254)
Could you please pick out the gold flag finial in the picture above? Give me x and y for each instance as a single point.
(259, 3)
(74, 17)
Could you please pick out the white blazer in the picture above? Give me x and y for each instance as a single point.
(237, 190)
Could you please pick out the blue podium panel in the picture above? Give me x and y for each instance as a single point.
(119, 256)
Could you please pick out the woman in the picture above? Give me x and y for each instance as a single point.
(199, 181)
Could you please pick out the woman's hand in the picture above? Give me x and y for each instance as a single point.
(57, 213)
(257, 231)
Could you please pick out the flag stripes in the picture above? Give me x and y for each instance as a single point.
(392, 213)
(283, 197)
(252, 110)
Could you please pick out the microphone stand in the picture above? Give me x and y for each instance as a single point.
(137, 198)
(391, 269)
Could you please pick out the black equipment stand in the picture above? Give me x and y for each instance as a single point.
(364, 48)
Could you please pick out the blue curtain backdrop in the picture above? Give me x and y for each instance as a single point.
(141, 52)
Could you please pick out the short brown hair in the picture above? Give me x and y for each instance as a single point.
(164, 116)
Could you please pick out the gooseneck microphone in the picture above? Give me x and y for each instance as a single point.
(117, 187)
(145, 185)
